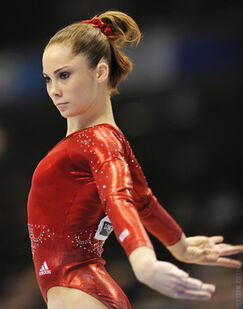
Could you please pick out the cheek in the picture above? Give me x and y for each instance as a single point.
(85, 88)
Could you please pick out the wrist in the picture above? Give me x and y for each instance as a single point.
(142, 260)
(179, 249)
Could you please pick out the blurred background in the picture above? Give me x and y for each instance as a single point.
(181, 109)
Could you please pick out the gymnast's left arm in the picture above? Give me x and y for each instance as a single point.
(197, 249)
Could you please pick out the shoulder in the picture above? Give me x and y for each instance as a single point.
(108, 140)
(108, 134)
(103, 138)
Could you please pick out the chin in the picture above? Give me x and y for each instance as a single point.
(69, 114)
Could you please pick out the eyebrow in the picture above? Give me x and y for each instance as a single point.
(55, 72)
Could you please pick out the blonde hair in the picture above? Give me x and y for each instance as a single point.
(90, 41)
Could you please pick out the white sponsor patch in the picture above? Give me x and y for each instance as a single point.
(123, 235)
(104, 229)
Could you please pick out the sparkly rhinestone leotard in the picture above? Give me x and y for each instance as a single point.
(87, 185)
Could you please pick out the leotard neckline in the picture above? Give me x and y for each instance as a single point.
(88, 128)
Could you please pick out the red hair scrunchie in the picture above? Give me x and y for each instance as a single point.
(104, 27)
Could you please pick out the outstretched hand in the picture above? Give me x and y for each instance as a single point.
(167, 278)
(171, 281)
(209, 251)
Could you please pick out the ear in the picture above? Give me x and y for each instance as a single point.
(102, 70)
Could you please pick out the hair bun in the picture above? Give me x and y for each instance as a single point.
(125, 29)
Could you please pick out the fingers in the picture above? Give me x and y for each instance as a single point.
(179, 273)
(196, 240)
(192, 295)
(194, 289)
(226, 249)
(169, 280)
(215, 256)
(217, 260)
(217, 239)
(176, 283)
(226, 262)
(209, 287)
(195, 284)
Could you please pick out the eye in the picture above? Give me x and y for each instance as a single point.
(46, 79)
(64, 75)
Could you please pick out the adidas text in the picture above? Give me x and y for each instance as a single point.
(44, 270)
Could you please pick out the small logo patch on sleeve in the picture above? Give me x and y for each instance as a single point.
(124, 235)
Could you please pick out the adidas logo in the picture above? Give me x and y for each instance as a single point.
(44, 270)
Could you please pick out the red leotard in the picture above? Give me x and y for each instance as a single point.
(87, 185)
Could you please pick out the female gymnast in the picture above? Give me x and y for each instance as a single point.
(90, 183)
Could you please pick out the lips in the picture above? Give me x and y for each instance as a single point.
(61, 104)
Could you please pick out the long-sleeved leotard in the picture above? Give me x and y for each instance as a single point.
(88, 185)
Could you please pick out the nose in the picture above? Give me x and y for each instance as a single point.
(55, 90)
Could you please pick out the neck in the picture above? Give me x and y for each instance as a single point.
(92, 117)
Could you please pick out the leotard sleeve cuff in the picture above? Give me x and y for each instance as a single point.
(159, 223)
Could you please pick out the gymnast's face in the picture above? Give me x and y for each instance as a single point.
(71, 84)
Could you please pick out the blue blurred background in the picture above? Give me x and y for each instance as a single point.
(181, 109)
